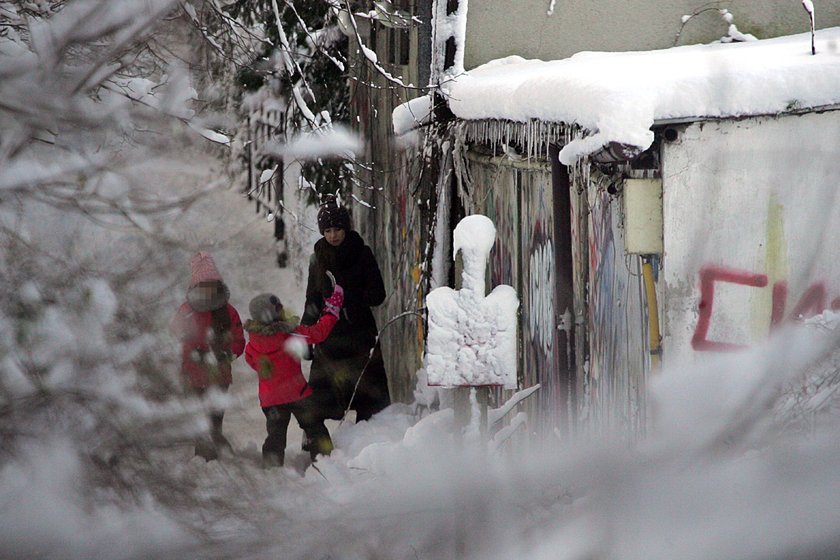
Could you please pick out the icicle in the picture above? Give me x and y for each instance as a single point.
(534, 128)
(536, 138)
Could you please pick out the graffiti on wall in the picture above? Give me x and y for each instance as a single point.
(541, 300)
(504, 211)
(614, 385)
(539, 336)
(398, 236)
(602, 271)
(813, 301)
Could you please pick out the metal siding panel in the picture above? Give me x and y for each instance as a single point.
(539, 332)
(617, 322)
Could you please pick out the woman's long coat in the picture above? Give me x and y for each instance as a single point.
(346, 354)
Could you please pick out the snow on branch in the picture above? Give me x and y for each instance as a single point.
(293, 70)
(733, 34)
(78, 68)
(336, 141)
(412, 114)
(211, 135)
(497, 414)
(314, 39)
(367, 53)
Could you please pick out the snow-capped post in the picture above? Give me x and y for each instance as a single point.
(809, 7)
(449, 29)
(472, 337)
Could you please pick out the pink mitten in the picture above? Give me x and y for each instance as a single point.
(333, 303)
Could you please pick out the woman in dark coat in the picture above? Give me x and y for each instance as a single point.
(352, 349)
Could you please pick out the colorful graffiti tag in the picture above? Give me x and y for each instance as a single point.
(541, 302)
(539, 321)
(614, 385)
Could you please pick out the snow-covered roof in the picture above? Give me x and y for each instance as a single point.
(618, 96)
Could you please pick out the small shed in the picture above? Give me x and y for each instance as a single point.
(652, 207)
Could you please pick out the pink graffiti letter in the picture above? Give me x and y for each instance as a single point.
(811, 303)
(710, 274)
(777, 314)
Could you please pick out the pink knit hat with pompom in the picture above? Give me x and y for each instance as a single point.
(203, 269)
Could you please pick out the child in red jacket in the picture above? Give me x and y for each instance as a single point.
(275, 343)
(211, 336)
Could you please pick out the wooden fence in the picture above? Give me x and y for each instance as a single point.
(265, 171)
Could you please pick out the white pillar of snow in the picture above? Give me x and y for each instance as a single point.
(474, 236)
(472, 338)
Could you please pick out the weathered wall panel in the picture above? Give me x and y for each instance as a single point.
(496, 195)
(390, 195)
(540, 361)
(519, 201)
(752, 214)
(494, 192)
(614, 384)
(609, 302)
(398, 230)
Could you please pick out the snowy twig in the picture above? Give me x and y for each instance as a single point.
(497, 414)
(733, 33)
(370, 56)
(312, 39)
(293, 70)
(370, 356)
(125, 40)
(503, 435)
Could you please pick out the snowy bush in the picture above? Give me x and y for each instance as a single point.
(86, 392)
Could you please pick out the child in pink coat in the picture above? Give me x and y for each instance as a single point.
(275, 343)
(211, 336)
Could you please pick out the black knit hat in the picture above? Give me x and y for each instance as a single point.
(331, 215)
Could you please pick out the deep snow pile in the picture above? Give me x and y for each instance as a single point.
(719, 476)
(617, 96)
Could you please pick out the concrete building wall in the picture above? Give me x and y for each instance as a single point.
(751, 214)
(499, 28)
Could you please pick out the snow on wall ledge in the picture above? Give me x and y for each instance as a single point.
(472, 338)
(618, 96)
